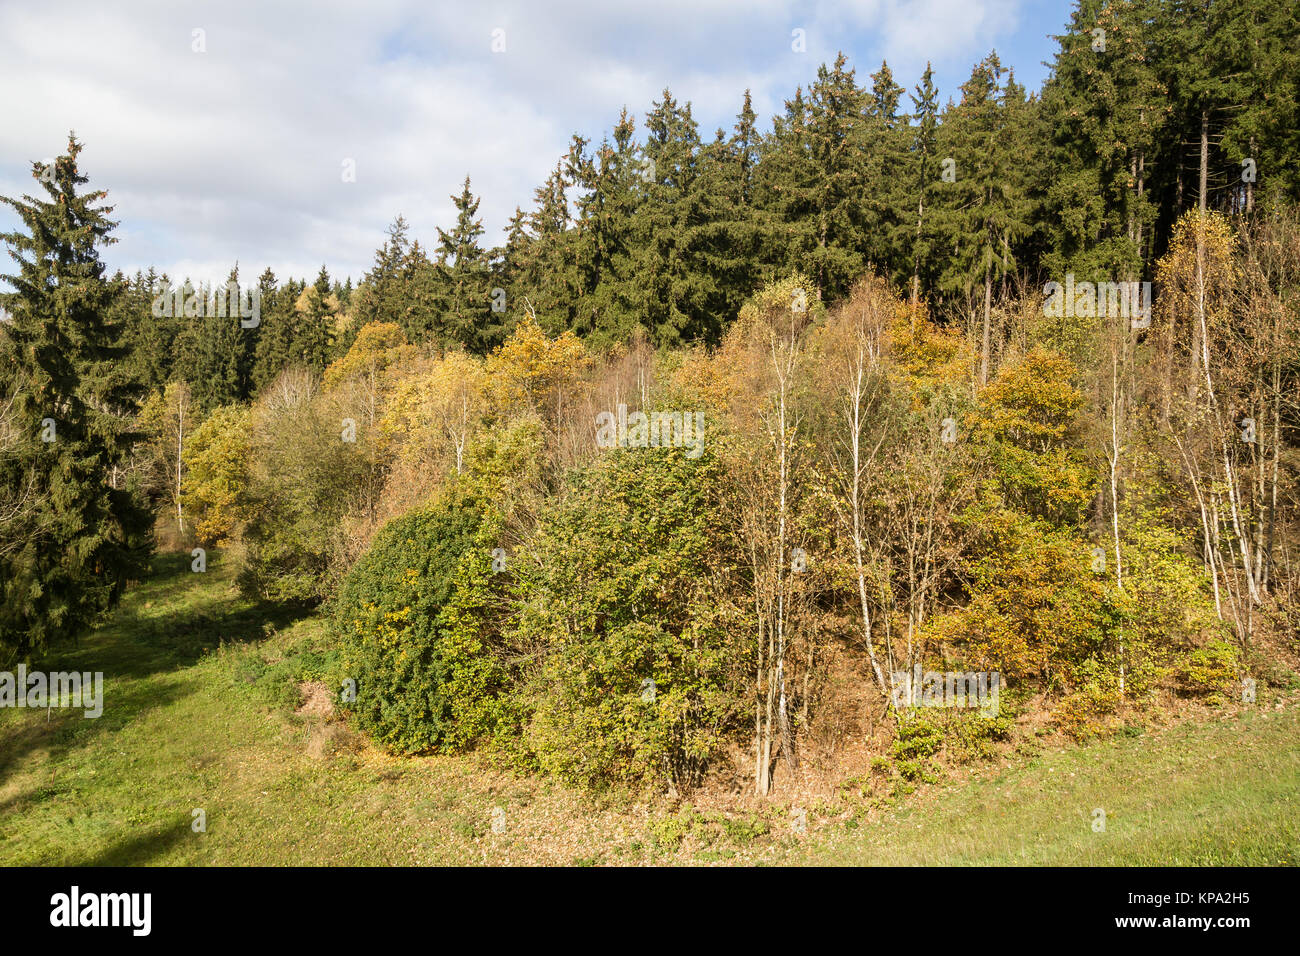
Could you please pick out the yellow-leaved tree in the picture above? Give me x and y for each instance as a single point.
(215, 487)
(434, 409)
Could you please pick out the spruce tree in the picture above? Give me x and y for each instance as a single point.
(316, 329)
(1105, 106)
(746, 145)
(922, 166)
(550, 278)
(383, 295)
(885, 187)
(216, 354)
(275, 332)
(70, 536)
(813, 177)
(728, 240)
(741, 236)
(463, 299)
(610, 195)
(986, 210)
(150, 339)
(672, 286)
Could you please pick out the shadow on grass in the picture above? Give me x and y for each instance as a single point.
(164, 624)
(64, 730)
(173, 619)
(141, 849)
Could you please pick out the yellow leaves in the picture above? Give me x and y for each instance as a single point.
(434, 405)
(532, 371)
(780, 308)
(714, 379)
(1033, 403)
(401, 615)
(378, 345)
(308, 298)
(213, 491)
(929, 356)
(1177, 273)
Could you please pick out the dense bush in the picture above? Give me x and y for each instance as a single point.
(625, 584)
(1210, 669)
(1029, 419)
(1036, 608)
(217, 483)
(1043, 608)
(413, 616)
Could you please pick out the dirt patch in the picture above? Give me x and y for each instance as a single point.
(327, 734)
(327, 740)
(317, 701)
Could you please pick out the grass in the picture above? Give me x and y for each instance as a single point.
(1225, 793)
(199, 714)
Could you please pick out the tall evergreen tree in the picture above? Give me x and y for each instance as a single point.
(730, 229)
(746, 145)
(676, 293)
(550, 278)
(1264, 61)
(885, 187)
(315, 337)
(384, 293)
(275, 331)
(463, 299)
(741, 238)
(922, 169)
(609, 194)
(1105, 106)
(986, 210)
(216, 354)
(150, 339)
(813, 176)
(70, 538)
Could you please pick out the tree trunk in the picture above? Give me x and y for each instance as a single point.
(760, 778)
(1250, 186)
(180, 438)
(1130, 228)
(988, 302)
(916, 255)
(1205, 157)
(1141, 189)
(1277, 450)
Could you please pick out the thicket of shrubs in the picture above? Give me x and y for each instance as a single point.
(861, 505)
(1101, 506)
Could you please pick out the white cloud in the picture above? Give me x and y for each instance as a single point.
(236, 153)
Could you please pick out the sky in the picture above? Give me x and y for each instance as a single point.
(290, 135)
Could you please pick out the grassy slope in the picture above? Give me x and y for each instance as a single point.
(190, 724)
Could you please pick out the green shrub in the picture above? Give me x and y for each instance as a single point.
(302, 480)
(1085, 710)
(916, 738)
(914, 770)
(974, 734)
(1210, 669)
(410, 619)
(623, 588)
(917, 741)
(667, 833)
